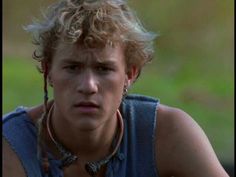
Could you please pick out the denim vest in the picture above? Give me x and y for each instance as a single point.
(134, 158)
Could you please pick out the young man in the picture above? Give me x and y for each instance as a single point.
(91, 52)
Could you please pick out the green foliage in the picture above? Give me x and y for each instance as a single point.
(22, 84)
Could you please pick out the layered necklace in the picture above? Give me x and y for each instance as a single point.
(68, 157)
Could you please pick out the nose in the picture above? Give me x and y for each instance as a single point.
(87, 84)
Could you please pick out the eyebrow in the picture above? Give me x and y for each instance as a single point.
(100, 62)
(70, 61)
(110, 63)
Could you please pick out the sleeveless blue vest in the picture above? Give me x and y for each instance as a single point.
(135, 156)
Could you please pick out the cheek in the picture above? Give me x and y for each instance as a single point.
(115, 85)
(60, 83)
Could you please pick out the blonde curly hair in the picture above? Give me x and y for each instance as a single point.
(93, 23)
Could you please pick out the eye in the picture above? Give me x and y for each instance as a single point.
(72, 68)
(104, 69)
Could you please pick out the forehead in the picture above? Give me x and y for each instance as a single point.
(76, 51)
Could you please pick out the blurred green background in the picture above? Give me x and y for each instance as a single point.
(192, 68)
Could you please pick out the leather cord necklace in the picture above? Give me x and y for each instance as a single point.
(68, 158)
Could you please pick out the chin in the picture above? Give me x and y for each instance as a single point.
(86, 123)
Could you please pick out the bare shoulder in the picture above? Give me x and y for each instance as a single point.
(182, 148)
(11, 163)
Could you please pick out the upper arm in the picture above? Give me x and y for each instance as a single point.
(11, 164)
(183, 149)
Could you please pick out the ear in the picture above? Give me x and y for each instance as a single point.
(132, 74)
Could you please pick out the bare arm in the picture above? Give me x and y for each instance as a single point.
(11, 164)
(183, 149)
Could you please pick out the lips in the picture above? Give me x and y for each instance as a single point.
(86, 104)
(87, 107)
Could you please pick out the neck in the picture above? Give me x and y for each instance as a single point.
(87, 144)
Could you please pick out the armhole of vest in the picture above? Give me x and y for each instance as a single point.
(154, 142)
(156, 103)
(17, 154)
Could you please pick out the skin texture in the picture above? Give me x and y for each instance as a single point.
(87, 75)
(11, 164)
(99, 75)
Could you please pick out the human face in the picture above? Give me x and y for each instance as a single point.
(87, 83)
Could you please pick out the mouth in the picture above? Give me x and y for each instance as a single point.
(86, 104)
(86, 107)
